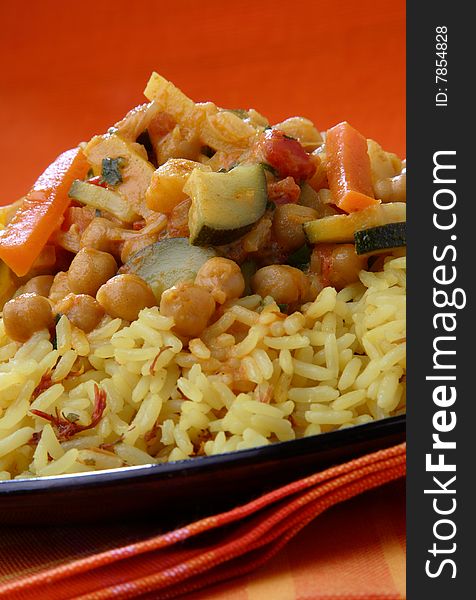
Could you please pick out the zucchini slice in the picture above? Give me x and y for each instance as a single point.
(103, 199)
(341, 228)
(167, 263)
(225, 205)
(383, 237)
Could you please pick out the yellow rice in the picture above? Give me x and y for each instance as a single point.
(339, 362)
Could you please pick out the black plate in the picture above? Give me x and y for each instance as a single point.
(187, 489)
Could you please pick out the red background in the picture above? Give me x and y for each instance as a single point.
(69, 70)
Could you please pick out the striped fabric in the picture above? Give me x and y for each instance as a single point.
(344, 555)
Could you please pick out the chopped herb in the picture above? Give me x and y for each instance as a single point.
(283, 308)
(54, 341)
(111, 170)
(72, 417)
(270, 205)
(269, 168)
(98, 213)
(300, 259)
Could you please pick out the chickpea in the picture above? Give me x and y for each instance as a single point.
(124, 296)
(40, 285)
(25, 315)
(59, 288)
(82, 310)
(222, 277)
(89, 270)
(337, 264)
(288, 220)
(102, 235)
(392, 189)
(321, 201)
(285, 284)
(191, 307)
(346, 265)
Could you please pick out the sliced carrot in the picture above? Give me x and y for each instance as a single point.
(41, 213)
(348, 168)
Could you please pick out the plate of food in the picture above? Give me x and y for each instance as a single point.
(197, 304)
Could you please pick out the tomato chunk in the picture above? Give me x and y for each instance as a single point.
(286, 155)
(285, 191)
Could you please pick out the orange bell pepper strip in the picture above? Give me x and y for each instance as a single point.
(348, 168)
(41, 212)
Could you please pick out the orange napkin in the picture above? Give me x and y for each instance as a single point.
(190, 558)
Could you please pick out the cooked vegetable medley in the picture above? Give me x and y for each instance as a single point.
(189, 208)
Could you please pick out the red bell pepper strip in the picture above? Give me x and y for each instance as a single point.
(41, 212)
(348, 168)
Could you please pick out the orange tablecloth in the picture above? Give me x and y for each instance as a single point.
(355, 551)
(357, 554)
(70, 70)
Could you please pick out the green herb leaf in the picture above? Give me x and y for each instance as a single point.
(283, 308)
(300, 259)
(270, 205)
(54, 341)
(111, 170)
(72, 417)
